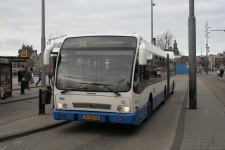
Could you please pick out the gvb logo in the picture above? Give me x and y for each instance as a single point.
(61, 98)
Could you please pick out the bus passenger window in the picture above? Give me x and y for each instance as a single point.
(136, 80)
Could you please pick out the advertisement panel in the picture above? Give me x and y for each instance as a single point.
(6, 77)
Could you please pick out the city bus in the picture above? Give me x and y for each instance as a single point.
(110, 78)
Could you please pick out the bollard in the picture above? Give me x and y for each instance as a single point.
(41, 105)
(23, 86)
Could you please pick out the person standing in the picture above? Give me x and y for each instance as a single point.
(2, 93)
(221, 70)
(50, 76)
(27, 77)
(20, 76)
(39, 78)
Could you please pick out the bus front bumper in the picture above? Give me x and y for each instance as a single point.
(105, 117)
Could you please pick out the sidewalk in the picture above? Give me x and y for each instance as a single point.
(204, 127)
(27, 125)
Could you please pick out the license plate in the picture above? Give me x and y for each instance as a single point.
(90, 117)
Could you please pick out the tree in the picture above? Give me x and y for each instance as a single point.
(165, 40)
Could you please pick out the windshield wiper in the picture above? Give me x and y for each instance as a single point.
(105, 85)
(120, 81)
(67, 90)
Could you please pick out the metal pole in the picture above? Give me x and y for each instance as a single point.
(207, 48)
(43, 70)
(192, 57)
(152, 4)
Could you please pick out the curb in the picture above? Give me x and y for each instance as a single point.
(17, 100)
(31, 131)
(180, 127)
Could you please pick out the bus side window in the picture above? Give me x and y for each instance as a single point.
(136, 80)
(145, 72)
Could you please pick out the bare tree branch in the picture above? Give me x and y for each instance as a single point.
(165, 40)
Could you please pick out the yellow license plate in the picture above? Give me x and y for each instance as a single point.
(90, 117)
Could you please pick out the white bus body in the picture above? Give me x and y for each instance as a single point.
(110, 78)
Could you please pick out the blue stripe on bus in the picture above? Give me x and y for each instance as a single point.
(134, 118)
(157, 100)
(104, 116)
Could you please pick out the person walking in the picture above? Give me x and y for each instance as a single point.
(50, 76)
(32, 76)
(221, 70)
(39, 78)
(27, 76)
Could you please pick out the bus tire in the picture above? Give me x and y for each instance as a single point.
(149, 108)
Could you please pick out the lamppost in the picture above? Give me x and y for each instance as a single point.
(152, 4)
(192, 57)
(43, 74)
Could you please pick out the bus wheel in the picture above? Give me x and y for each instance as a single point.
(164, 97)
(149, 108)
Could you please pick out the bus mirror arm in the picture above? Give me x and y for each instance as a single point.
(48, 51)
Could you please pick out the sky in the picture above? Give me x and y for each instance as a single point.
(21, 21)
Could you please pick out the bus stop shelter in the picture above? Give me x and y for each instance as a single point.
(6, 72)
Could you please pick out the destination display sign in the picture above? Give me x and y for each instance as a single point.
(100, 41)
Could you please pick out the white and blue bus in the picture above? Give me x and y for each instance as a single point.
(110, 78)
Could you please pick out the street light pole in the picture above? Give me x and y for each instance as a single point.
(43, 72)
(207, 47)
(192, 57)
(152, 4)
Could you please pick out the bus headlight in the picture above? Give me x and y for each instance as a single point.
(59, 106)
(126, 109)
(119, 108)
(65, 105)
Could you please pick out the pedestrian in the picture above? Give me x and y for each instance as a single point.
(221, 70)
(32, 76)
(50, 76)
(218, 73)
(20, 76)
(2, 93)
(27, 76)
(39, 78)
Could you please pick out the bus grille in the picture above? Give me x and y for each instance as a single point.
(91, 105)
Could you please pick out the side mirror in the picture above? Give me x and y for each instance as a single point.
(142, 54)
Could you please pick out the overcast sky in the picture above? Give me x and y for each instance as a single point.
(20, 21)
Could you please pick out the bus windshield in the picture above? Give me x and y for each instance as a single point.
(95, 68)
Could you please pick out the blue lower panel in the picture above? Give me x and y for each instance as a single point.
(104, 117)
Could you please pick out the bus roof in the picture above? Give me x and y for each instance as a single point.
(150, 47)
(154, 49)
(105, 34)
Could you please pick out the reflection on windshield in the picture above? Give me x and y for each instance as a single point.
(79, 69)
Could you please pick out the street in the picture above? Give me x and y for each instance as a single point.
(216, 86)
(159, 133)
